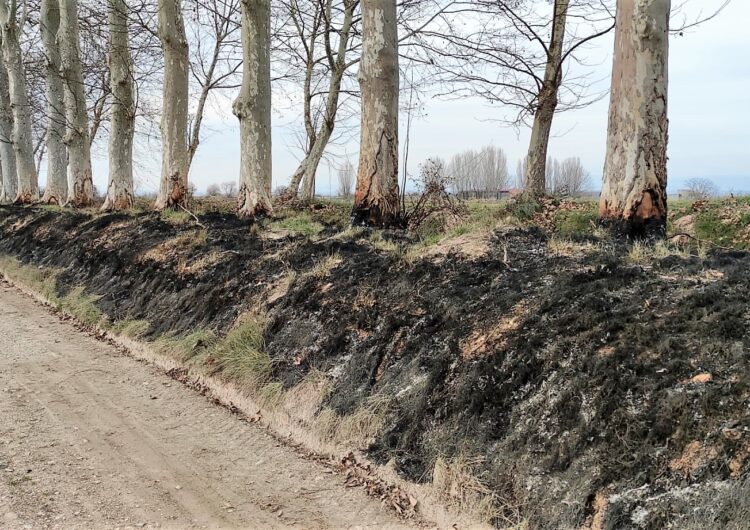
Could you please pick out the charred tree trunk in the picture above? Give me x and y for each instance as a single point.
(120, 188)
(376, 200)
(80, 185)
(634, 188)
(253, 109)
(56, 190)
(27, 185)
(174, 119)
(547, 104)
(7, 154)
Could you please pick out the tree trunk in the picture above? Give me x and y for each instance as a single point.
(174, 117)
(547, 104)
(309, 165)
(56, 190)
(120, 188)
(313, 158)
(634, 188)
(80, 185)
(27, 190)
(376, 199)
(253, 108)
(7, 155)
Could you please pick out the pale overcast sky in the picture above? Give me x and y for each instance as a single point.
(709, 113)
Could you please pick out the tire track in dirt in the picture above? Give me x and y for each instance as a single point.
(93, 439)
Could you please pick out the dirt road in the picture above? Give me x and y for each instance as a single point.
(90, 438)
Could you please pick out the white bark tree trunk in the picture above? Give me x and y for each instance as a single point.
(253, 109)
(7, 154)
(120, 187)
(27, 190)
(56, 190)
(174, 119)
(634, 188)
(547, 104)
(80, 185)
(376, 199)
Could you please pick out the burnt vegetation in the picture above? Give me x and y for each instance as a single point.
(568, 367)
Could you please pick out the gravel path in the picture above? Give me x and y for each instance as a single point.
(90, 438)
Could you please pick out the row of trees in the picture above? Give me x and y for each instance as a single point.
(514, 53)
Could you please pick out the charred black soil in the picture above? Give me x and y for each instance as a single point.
(587, 387)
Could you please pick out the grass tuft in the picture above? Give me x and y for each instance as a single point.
(241, 355)
(363, 425)
(83, 307)
(457, 483)
(131, 328)
(177, 217)
(187, 347)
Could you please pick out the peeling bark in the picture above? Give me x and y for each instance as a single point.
(376, 199)
(634, 188)
(174, 118)
(547, 104)
(7, 154)
(56, 190)
(120, 188)
(253, 109)
(27, 190)
(80, 184)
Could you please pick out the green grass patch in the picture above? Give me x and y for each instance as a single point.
(43, 280)
(523, 207)
(83, 307)
(173, 216)
(710, 227)
(575, 222)
(51, 208)
(241, 356)
(298, 223)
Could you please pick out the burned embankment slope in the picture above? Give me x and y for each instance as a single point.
(541, 381)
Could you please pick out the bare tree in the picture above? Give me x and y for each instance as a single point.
(547, 101)
(213, 190)
(215, 56)
(319, 36)
(701, 188)
(566, 177)
(120, 187)
(521, 172)
(253, 109)
(634, 194)
(7, 155)
(80, 184)
(346, 179)
(376, 199)
(56, 189)
(174, 118)
(27, 190)
(493, 171)
(462, 168)
(515, 53)
(229, 188)
(321, 42)
(479, 174)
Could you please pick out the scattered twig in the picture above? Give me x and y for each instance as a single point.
(195, 217)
